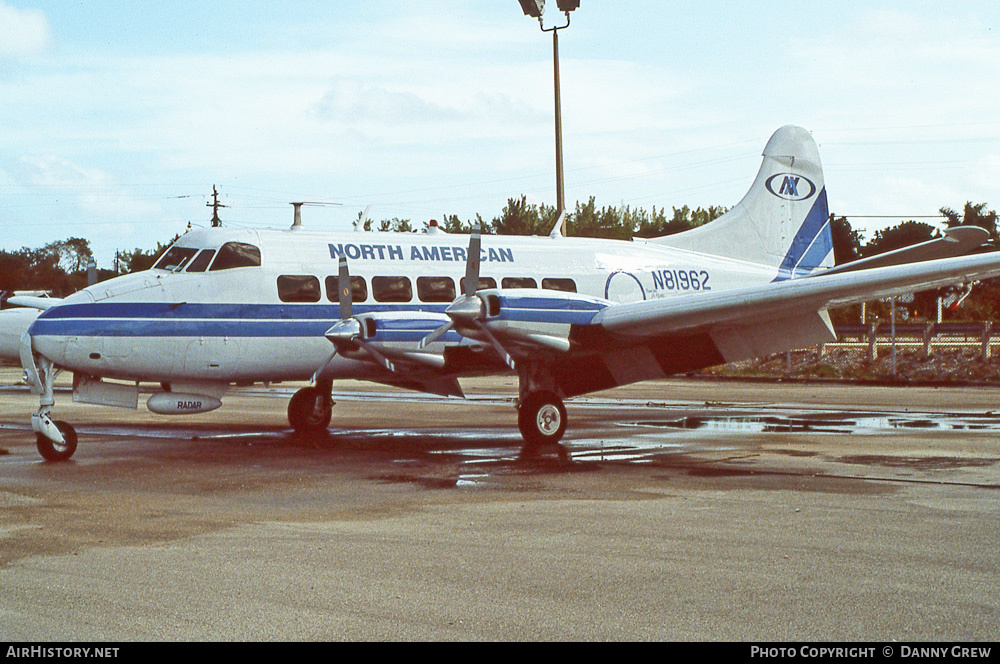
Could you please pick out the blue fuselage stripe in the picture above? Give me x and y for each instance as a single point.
(270, 320)
(207, 320)
(159, 327)
(224, 311)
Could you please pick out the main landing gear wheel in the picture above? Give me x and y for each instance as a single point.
(541, 417)
(310, 410)
(53, 451)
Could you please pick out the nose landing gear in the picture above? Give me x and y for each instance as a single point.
(51, 449)
(56, 440)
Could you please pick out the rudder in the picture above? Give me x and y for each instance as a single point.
(782, 221)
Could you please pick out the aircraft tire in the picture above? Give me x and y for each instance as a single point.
(302, 413)
(52, 451)
(542, 419)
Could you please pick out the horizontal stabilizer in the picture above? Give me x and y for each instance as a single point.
(957, 241)
(34, 302)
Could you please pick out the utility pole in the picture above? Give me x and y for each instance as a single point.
(560, 185)
(215, 205)
(535, 9)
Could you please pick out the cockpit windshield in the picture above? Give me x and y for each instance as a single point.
(230, 255)
(175, 258)
(236, 254)
(200, 263)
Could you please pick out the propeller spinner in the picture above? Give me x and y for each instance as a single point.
(349, 332)
(468, 311)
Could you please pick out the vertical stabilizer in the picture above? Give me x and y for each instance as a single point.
(782, 222)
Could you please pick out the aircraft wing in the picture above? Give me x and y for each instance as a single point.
(627, 343)
(768, 303)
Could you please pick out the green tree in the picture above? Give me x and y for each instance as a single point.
(138, 259)
(846, 240)
(521, 218)
(37, 269)
(902, 235)
(72, 254)
(984, 302)
(653, 224)
(15, 269)
(905, 234)
(608, 222)
(973, 215)
(450, 223)
(396, 225)
(683, 219)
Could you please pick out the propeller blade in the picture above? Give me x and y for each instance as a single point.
(377, 356)
(433, 336)
(472, 263)
(323, 366)
(497, 345)
(344, 284)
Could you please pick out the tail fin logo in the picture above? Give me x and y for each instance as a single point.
(790, 187)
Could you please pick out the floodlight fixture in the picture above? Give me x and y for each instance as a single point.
(533, 8)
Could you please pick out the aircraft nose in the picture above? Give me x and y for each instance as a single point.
(13, 324)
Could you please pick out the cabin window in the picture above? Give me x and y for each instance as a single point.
(236, 254)
(567, 285)
(359, 289)
(392, 289)
(518, 282)
(298, 288)
(484, 283)
(201, 261)
(175, 258)
(435, 289)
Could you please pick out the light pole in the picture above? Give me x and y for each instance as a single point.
(535, 9)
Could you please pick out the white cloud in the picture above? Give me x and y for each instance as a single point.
(95, 191)
(422, 112)
(915, 69)
(22, 31)
(356, 103)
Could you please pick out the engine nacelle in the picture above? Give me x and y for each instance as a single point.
(537, 317)
(180, 403)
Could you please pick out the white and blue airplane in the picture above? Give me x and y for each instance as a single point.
(568, 315)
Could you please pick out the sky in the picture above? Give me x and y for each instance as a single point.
(117, 118)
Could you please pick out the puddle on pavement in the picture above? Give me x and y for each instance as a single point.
(481, 451)
(825, 423)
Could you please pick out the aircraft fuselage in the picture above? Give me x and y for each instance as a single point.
(266, 322)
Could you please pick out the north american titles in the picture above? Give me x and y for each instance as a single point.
(396, 252)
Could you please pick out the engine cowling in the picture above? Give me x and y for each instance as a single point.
(535, 317)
